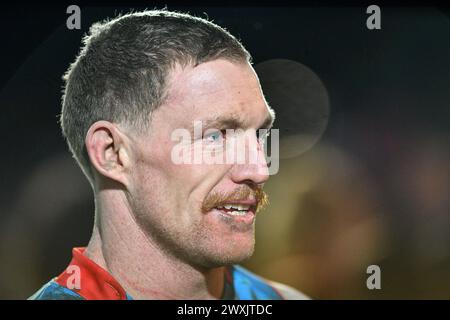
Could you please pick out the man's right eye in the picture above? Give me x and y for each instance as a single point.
(214, 136)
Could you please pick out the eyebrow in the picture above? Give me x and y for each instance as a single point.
(225, 122)
(234, 121)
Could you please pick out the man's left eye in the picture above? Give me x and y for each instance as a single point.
(215, 136)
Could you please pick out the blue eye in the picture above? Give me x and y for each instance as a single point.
(214, 136)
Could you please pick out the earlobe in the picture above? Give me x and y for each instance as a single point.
(106, 150)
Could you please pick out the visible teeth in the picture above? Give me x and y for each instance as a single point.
(234, 206)
(237, 208)
(238, 213)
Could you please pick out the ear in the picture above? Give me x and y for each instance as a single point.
(108, 151)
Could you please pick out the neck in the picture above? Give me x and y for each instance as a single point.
(145, 271)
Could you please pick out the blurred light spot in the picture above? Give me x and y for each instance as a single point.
(300, 101)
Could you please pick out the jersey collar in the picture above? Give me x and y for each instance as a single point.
(89, 280)
(92, 282)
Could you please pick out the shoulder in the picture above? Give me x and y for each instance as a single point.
(53, 291)
(251, 286)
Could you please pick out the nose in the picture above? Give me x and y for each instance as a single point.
(252, 167)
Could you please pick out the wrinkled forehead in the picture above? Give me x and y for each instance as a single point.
(216, 89)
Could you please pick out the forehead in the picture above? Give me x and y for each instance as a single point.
(216, 89)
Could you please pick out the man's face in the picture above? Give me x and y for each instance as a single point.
(184, 208)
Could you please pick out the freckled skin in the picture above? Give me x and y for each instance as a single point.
(167, 197)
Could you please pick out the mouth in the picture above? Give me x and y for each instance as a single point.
(235, 209)
(239, 212)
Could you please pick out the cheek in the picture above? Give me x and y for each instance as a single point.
(200, 180)
(149, 186)
(174, 185)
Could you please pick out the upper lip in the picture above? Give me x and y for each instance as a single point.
(247, 202)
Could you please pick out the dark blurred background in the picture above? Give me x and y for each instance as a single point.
(372, 188)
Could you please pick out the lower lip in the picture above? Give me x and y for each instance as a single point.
(247, 218)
